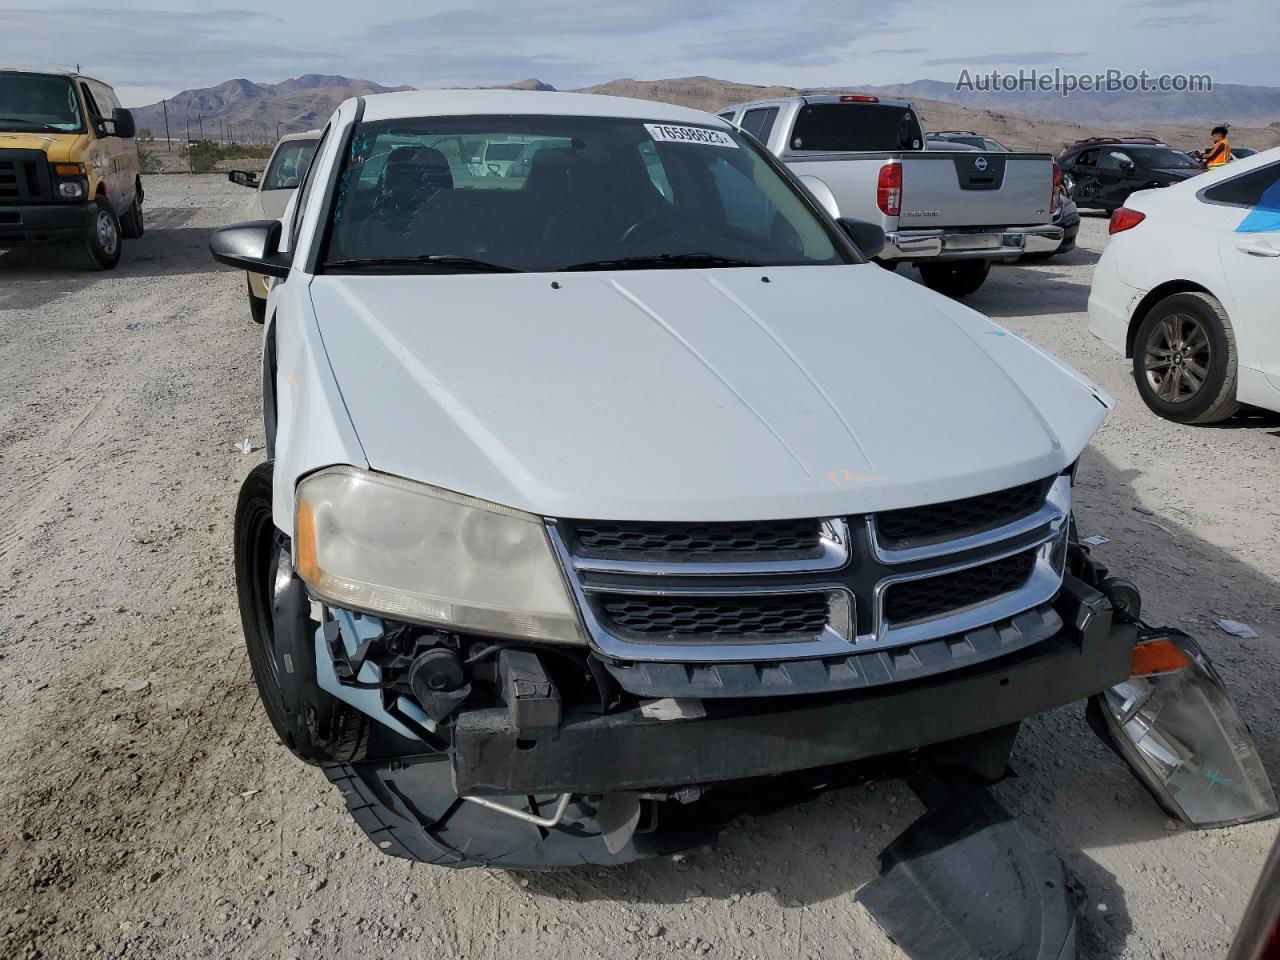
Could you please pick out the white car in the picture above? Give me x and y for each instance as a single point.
(272, 193)
(1189, 286)
(627, 479)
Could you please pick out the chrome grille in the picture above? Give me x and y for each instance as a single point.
(750, 592)
(956, 517)
(695, 541)
(936, 596)
(735, 618)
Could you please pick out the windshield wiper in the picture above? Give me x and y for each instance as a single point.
(425, 260)
(661, 260)
(31, 123)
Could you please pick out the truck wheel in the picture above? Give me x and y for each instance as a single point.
(257, 305)
(101, 245)
(1184, 360)
(956, 279)
(280, 636)
(131, 224)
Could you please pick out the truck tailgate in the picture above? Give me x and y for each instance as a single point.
(968, 189)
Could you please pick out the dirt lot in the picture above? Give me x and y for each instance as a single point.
(148, 813)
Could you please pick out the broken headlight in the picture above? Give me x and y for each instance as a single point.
(1175, 726)
(415, 552)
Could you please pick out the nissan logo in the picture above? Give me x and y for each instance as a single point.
(981, 163)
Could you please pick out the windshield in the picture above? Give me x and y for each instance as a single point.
(1162, 158)
(289, 165)
(33, 101)
(581, 193)
(836, 127)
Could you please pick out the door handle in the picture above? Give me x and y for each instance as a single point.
(1257, 248)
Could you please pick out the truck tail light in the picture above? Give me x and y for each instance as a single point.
(1055, 198)
(889, 189)
(1125, 219)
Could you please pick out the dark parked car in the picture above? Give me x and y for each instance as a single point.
(1106, 171)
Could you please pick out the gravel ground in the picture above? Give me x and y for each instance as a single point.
(147, 811)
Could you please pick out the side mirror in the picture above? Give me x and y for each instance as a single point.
(867, 237)
(245, 178)
(252, 246)
(122, 124)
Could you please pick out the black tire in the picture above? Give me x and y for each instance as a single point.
(958, 278)
(132, 224)
(257, 305)
(1184, 360)
(278, 631)
(100, 248)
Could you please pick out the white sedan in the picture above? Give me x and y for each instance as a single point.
(1189, 287)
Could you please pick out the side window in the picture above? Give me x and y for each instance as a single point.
(95, 114)
(1087, 159)
(759, 122)
(1257, 188)
(1114, 160)
(304, 193)
(727, 115)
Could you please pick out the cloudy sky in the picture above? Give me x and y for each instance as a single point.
(154, 48)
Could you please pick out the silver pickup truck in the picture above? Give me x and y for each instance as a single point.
(950, 212)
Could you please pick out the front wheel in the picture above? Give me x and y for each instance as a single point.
(257, 305)
(101, 245)
(1184, 360)
(957, 278)
(279, 634)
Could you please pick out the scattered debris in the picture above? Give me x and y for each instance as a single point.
(673, 709)
(1145, 511)
(246, 794)
(245, 447)
(1235, 627)
(1158, 526)
(136, 325)
(1096, 541)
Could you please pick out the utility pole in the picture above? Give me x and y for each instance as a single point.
(167, 142)
(277, 130)
(200, 120)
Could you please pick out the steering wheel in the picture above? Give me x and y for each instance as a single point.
(654, 226)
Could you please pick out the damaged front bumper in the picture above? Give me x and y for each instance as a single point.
(536, 783)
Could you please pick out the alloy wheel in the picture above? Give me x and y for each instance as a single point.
(1177, 357)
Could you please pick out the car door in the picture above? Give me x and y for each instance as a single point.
(106, 149)
(1084, 173)
(1116, 176)
(1247, 210)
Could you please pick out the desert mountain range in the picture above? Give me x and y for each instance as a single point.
(255, 111)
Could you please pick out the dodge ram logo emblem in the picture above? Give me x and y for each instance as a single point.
(980, 163)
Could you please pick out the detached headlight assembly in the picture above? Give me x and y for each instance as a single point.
(414, 552)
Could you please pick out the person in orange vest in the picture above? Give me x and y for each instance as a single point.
(1220, 152)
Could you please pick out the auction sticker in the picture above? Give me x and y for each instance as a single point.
(666, 133)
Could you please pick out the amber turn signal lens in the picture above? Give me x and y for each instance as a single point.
(68, 169)
(1157, 656)
(304, 541)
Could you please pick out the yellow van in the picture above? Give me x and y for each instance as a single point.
(69, 170)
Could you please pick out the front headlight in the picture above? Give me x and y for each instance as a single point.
(415, 552)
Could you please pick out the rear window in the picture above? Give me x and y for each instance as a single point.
(834, 127)
(1258, 188)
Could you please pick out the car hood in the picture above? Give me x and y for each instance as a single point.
(696, 394)
(58, 147)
